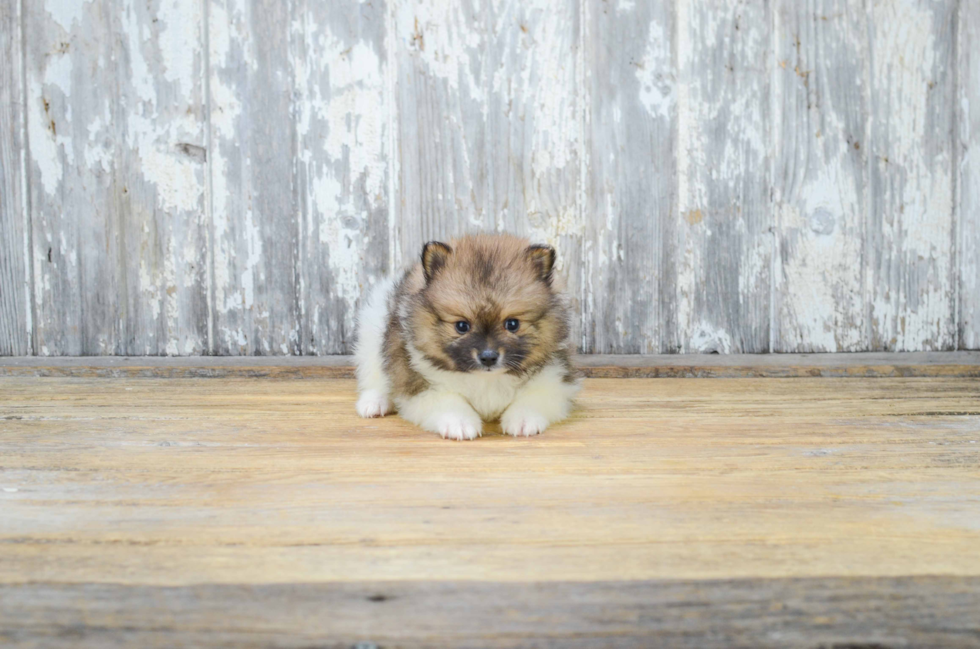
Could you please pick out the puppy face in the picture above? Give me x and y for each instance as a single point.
(487, 306)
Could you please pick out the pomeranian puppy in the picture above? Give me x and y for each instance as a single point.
(474, 332)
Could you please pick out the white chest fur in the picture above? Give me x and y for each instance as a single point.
(488, 392)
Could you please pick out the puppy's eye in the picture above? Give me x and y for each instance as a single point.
(511, 324)
(462, 326)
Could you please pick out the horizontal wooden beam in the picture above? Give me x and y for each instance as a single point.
(876, 364)
(811, 612)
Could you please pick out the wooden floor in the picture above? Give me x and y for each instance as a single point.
(667, 512)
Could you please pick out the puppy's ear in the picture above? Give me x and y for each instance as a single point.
(543, 258)
(435, 254)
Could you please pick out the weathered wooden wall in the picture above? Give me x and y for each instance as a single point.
(227, 176)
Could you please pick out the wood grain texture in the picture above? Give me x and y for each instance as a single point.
(70, 208)
(255, 216)
(488, 135)
(442, 134)
(533, 62)
(968, 173)
(820, 185)
(814, 612)
(630, 127)
(910, 235)
(299, 127)
(719, 241)
(341, 108)
(718, 175)
(15, 285)
(248, 481)
(706, 513)
(116, 130)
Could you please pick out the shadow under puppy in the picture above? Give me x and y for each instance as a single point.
(475, 332)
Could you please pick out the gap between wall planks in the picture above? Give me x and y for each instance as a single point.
(227, 177)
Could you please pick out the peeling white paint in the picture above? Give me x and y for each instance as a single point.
(51, 151)
(66, 12)
(689, 157)
(722, 180)
(518, 76)
(98, 149)
(253, 247)
(171, 307)
(137, 34)
(340, 92)
(917, 189)
(148, 286)
(654, 73)
(438, 34)
(113, 196)
(534, 133)
(227, 22)
(177, 179)
(706, 339)
(180, 40)
(827, 250)
(356, 86)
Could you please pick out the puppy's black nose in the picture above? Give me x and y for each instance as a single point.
(488, 357)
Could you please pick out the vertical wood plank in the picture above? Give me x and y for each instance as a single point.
(299, 174)
(820, 184)
(339, 64)
(70, 201)
(968, 168)
(115, 123)
(255, 214)
(719, 243)
(631, 124)
(161, 176)
(910, 235)
(15, 313)
(442, 87)
(534, 108)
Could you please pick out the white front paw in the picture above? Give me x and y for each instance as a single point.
(373, 404)
(523, 422)
(457, 425)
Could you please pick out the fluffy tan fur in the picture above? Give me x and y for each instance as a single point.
(502, 290)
